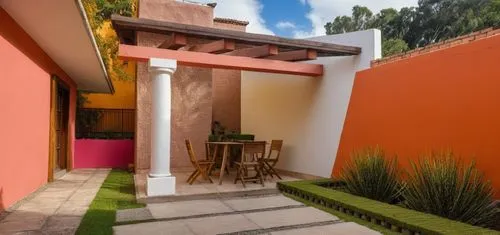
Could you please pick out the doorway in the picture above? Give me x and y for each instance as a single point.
(59, 134)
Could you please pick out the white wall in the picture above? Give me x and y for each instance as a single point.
(307, 113)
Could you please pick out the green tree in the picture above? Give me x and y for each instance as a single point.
(361, 19)
(411, 27)
(394, 46)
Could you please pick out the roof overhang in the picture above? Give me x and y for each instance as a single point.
(61, 29)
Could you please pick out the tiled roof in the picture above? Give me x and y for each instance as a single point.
(231, 21)
(485, 33)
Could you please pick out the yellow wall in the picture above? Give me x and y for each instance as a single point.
(124, 96)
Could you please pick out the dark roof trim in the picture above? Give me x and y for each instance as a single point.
(124, 25)
(94, 44)
(230, 21)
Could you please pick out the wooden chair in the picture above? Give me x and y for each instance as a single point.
(250, 157)
(269, 162)
(202, 167)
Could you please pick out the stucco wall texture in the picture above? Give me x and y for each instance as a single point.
(25, 102)
(192, 88)
(447, 99)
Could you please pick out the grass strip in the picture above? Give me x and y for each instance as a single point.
(395, 215)
(343, 216)
(116, 193)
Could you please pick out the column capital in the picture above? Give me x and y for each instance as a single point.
(162, 65)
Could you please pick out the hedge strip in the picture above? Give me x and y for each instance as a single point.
(393, 217)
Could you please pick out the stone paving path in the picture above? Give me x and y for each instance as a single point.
(57, 208)
(271, 214)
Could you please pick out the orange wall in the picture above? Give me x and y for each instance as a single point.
(444, 99)
(25, 72)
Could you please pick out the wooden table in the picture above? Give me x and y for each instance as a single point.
(224, 155)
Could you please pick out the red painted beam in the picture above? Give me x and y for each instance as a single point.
(297, 55)
(216, 47)
(205, 60)
(255, 52)
(175, 42)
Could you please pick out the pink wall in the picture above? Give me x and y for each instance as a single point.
(25, 72)
(94, 153)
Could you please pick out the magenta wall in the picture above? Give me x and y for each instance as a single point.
(95, 153)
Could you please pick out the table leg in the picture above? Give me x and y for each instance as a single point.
(223, 164)
(213, 158)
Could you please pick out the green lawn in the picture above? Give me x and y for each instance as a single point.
(116, 193)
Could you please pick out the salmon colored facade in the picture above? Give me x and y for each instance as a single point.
(25, 72)
(445, 99)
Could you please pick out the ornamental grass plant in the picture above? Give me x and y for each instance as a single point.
(370, 174)
(443, 185)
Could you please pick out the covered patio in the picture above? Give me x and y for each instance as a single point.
(309, 62)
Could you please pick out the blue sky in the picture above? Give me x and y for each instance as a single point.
(284, 21)
(295, 18)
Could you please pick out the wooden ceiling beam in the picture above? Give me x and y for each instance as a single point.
(297, 55)
(175, 42)
(206, 60)
(215, 47)
(256, 52)
(124, 24)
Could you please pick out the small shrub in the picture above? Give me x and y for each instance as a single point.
(370, 174)
(442, 185)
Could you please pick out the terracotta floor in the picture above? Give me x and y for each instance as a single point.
(200, 186)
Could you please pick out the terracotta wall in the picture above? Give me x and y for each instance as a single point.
(445, 99)
(25, 72)
(191, 88)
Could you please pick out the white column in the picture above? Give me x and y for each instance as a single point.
(160, 180)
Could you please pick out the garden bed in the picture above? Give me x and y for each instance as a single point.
(394, 217)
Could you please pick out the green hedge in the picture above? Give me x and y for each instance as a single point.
(399, 218)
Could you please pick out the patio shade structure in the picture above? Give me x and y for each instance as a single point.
(207, 47)
(227, 49)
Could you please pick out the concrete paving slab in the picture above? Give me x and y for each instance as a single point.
(49, 211)
(242, 204)
(187, 208)
(286, 217)
(333, 229)
(135, 214)
(220, 224)
(160, 228)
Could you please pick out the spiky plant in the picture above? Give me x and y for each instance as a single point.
(370, 174)
(441, 184)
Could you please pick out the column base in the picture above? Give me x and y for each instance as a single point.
(160, 186)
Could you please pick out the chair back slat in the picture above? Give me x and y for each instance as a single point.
(275, 148)
(252, 151)
(192, 156)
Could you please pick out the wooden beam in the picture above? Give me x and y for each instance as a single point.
(206, 60)
(216, 47)
(256, 52)
(123, 24)
(297, 55)
(175, 42)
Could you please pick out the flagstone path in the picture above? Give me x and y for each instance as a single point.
(56, 208)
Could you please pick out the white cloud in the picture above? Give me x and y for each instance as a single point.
(248, 10)
(285, 25)
(324, 11)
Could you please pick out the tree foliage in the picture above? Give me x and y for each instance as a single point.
(99, 14)
(411, 27)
